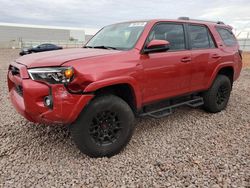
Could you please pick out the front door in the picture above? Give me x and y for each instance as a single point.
(167, 73)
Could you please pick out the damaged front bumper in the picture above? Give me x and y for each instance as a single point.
(28, 97)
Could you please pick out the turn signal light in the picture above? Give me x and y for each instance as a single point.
(68, 73)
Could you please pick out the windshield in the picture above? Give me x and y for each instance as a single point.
(121, 36)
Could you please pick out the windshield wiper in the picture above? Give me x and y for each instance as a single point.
(87, 46)
(101, 47)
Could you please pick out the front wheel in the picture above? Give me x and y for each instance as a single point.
(216, 98)
(104, 127)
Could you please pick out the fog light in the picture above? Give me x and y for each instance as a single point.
(48, 101)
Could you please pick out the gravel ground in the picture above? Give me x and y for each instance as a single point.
(189, 148)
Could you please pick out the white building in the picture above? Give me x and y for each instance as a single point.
(20, 35)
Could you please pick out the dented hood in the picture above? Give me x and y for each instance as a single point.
(59, 57)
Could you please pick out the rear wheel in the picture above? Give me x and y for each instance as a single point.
(104, 127)
(216, 98)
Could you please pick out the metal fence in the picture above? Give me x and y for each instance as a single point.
(244, 44)
(64, 44)
(26, 44)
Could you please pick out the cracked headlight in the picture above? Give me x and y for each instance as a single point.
(52, 75)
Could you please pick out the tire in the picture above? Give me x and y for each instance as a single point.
(216, 98)
(104, 127)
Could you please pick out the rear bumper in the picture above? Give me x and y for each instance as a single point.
(27, 96)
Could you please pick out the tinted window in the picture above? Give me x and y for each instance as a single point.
(173, 33)
(200, 37)
(42, 46)
(51, 46)
(227, 36)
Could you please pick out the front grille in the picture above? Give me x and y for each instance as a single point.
(19, 89)
(14, 70)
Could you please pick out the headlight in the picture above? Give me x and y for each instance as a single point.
(52, 75)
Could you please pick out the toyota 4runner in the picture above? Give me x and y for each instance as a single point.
(139, 68)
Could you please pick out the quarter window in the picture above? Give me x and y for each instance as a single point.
(227, 36)
(200, 38)
(173, 33)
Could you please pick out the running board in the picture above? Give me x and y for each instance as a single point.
(162, 112)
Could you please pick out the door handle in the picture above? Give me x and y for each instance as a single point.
(216, 56)
(186, 59)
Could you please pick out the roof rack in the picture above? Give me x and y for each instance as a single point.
(187, 18)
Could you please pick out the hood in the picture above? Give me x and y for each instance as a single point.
(58, 57)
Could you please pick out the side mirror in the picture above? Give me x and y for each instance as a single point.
(157, 46)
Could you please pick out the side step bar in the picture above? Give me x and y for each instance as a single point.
(162, 112)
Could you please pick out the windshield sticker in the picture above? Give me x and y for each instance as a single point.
(138, 24)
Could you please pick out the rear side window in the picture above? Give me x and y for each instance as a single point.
(173, 33)
(42, 46)
(50, 45)
(227, 36)
(200, 38)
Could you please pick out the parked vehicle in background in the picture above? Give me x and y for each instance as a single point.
(145, 68)
(40, 48)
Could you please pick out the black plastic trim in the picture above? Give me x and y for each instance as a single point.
(78, 92)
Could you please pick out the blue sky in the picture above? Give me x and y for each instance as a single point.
(97, 13)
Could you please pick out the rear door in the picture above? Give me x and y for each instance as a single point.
(205, 55)
(167, 73)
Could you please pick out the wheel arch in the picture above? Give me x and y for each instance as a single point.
(227, 71)
(223, 69)
(123, 87)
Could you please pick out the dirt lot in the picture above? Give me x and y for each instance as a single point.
(246, 58)
(189, 148)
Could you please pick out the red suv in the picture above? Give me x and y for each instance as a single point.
(139, 68)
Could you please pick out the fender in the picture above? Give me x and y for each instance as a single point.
(115, 81)
(217, 69)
